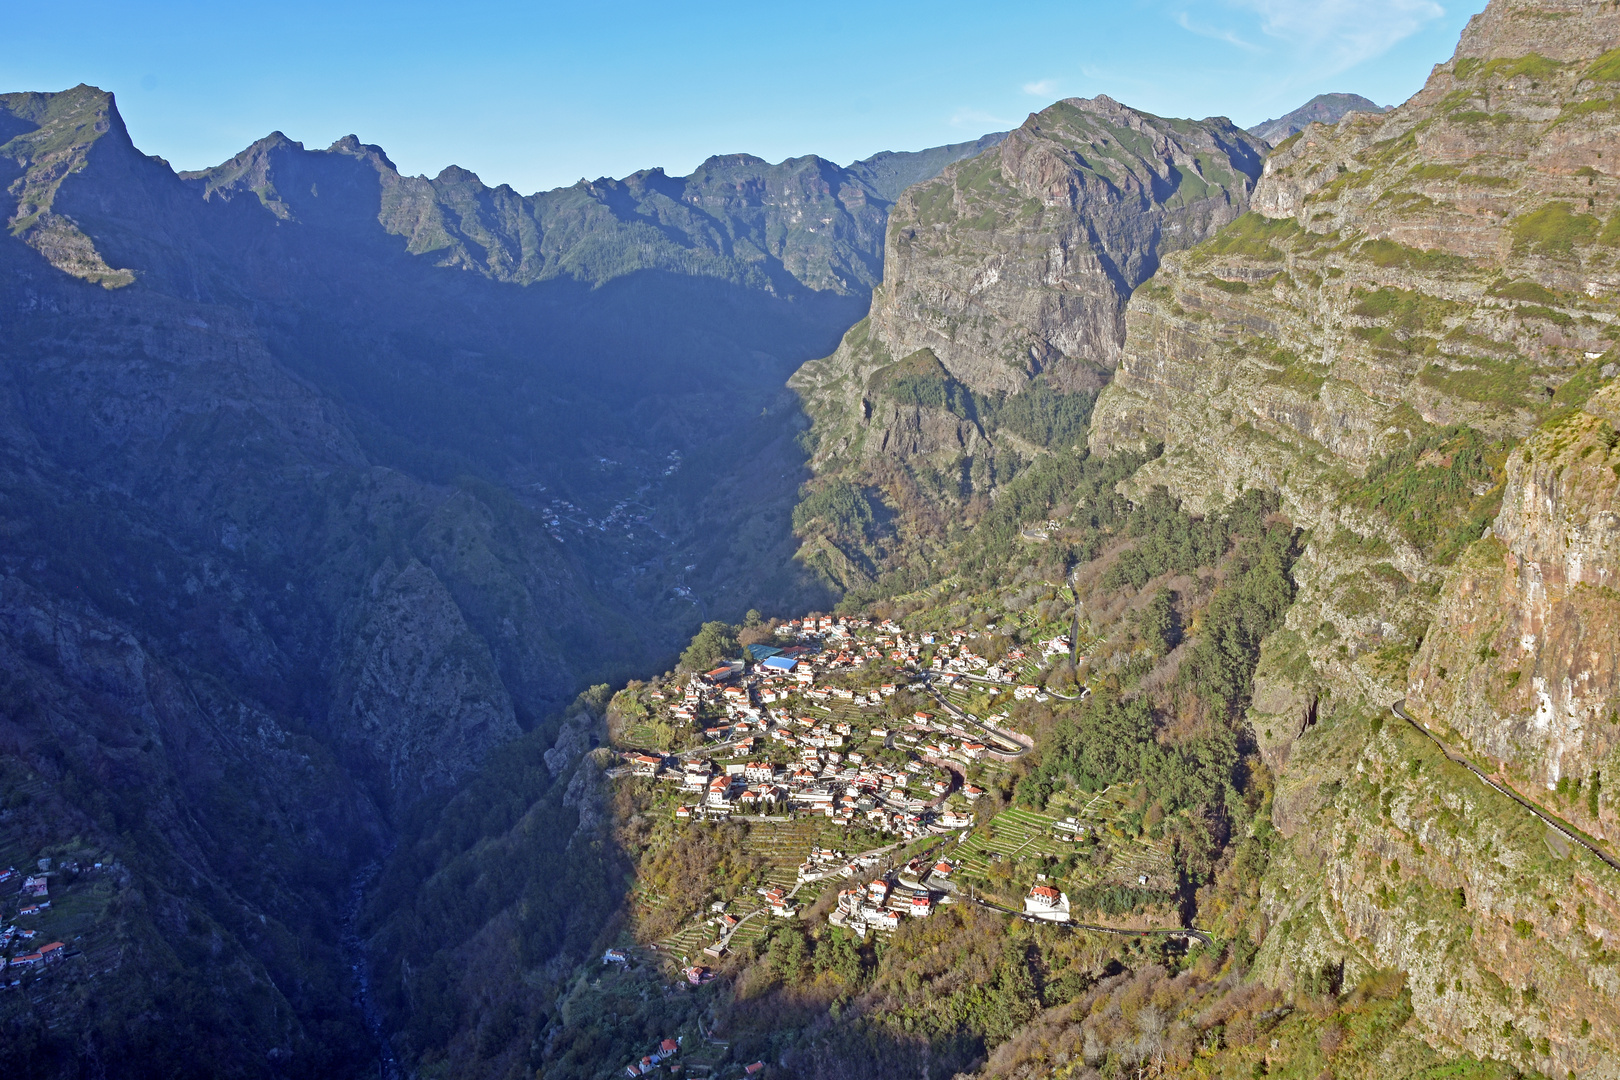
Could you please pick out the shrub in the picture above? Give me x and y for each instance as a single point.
(921, 380)
(1252, 236)
(1554, 229)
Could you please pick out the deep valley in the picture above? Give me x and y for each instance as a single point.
(1125, 596)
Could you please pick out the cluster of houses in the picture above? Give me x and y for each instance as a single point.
(667, 1049)
(881, 902)
(45, 954)
(744, 709)
(35, 894)
(844, 787)
(824, 863)
(828, 776)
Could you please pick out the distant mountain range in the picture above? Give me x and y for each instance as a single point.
(1321, 109)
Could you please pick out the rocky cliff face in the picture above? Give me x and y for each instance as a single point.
(1405, 277)
(1018, 262)
(1010, 267)
(1520, 662)
(1404, 340)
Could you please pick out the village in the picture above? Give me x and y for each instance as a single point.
(25, 947)
(893, 735)
(869, 763)
(849, 718)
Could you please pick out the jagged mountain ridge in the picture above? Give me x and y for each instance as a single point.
(1321, 109)
(802, 224)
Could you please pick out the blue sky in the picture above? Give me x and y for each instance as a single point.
(540, 94)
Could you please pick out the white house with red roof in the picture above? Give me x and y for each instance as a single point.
(1046, 902)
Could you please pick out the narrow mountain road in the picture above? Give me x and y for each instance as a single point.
(1178, 932)
(987, 729)
(1399, 709)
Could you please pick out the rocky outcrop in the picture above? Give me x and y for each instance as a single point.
(1018, 262)
(1011, 267)
(1521, 660)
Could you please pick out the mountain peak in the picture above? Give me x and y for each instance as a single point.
(51, 137)
(1102, 105)
(731, 161)
(1321, 109)
(455, 174)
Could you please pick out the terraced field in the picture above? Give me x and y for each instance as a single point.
(931, 593)
(649, 734)
(1018, 833)
(1021, 834)
(784, 845)
(687, 944)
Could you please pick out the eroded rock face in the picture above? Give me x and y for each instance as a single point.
(1013, 266)
(1399, 860)
(1445, 266)
(1019, 261)
(420, 691)
(1409, 340)
(1522, 660)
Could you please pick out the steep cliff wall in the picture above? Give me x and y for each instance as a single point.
(1410, 339)
(1521, 663)
(1446, 266)
(1011, 270)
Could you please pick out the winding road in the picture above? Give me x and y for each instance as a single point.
(1178, 932)
(1399, 709)
(987, 729)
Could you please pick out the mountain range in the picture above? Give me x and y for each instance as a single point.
(351, 524)
(324, 482)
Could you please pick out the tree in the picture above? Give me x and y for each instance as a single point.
(711, 644)
(1161, 629)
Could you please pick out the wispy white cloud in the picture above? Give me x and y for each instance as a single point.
(979, 120)
(1043, 88)
(1216, 34)
(1339, 34)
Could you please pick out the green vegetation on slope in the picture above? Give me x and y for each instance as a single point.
(1439, 492)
